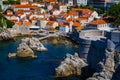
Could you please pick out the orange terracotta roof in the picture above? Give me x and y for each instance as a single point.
(34, 18)
(28, 23)
(54, 9)
(62, 24)
(75, 19)
(19, 23)
(20, 12)
(85, 12)
(51, 0)
(96, 22)
(73, 13)
(60, 3)
(76, 24)
(25, 6)
(52, 29)
(61, 13)
(64, 14)
(83, 18)
(50, 22)
(24, 18)
(80, 28)
(34, 7)
(68, 20)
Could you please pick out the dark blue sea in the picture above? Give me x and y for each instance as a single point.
(41, 68)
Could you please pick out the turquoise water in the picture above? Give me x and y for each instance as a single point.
(42, 68)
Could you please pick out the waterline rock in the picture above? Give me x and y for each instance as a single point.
(12, 55)
(34, 44)
(23, 51)
(26, 48)
(70, 66)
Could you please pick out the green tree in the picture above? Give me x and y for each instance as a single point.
(0, 9)
(40, 0)
(102, 10)
(5, 12)
(88, 7)
(4, 23)
(11, 2)
(114, 11)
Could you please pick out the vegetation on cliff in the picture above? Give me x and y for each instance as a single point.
(4, 23)
(114, 11)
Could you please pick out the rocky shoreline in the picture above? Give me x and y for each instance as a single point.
(108, 69)
(23, 51)
(70, 66)
(27, 47)
(5, 36)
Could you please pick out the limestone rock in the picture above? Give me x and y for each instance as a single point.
(34, 44)
(70, 66)
(5, 36)
(12, 55)
(24, 51)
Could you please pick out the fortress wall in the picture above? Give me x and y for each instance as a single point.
(94, 50)
(90, 46)
(96, 53)
(115, 36)
(84, 47)
(90, 33)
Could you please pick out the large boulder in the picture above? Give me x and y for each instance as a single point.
(24, 51)
(70, 66)
(34, 44)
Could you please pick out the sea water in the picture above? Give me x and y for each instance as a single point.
(41, 68)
